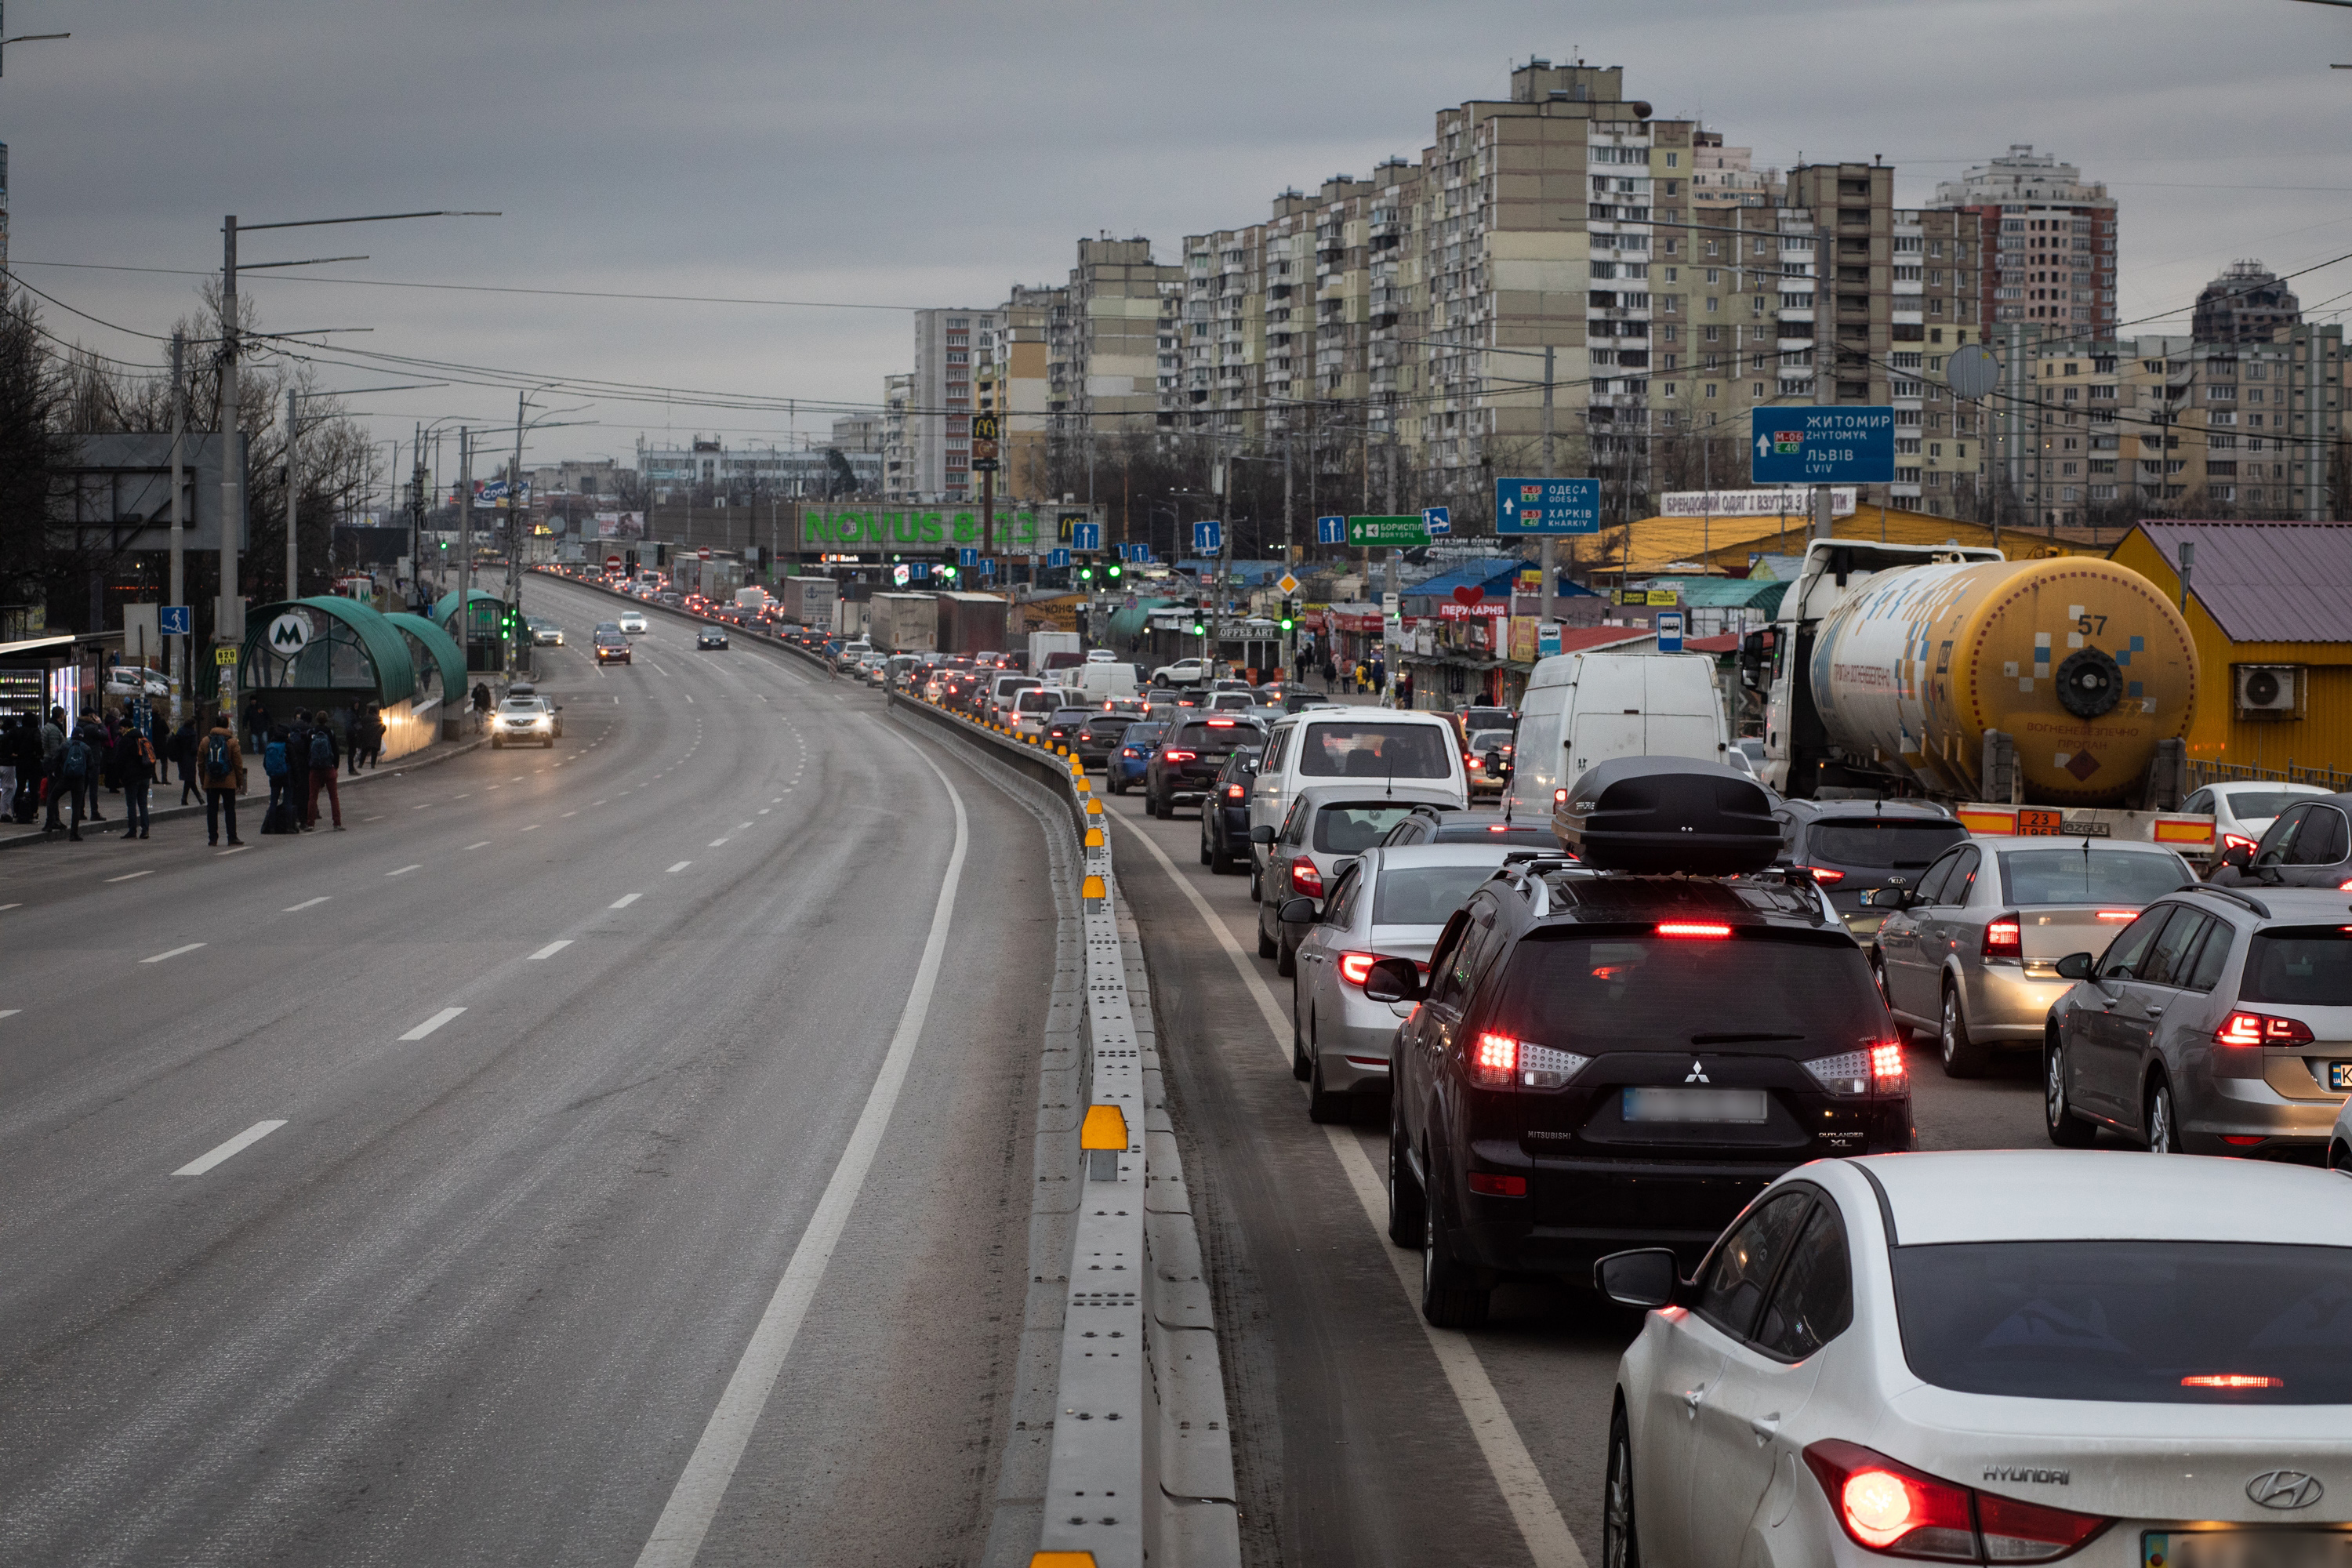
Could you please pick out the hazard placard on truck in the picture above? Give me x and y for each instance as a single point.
(2186, 831)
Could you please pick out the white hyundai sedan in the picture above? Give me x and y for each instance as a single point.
(1997, 1357)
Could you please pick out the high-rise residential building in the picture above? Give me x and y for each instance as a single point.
(2110, 431)
(949, 345)
(2049, 239)
(1016, 384)
(1103, 353)
(897, 464)
(1722, 176)
(2247, 304)
(743, 476)
(1220, 339)
(858, 433)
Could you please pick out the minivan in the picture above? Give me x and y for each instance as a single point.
(1583, 708)
(1324, 745)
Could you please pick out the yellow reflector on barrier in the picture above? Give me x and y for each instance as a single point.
(1094, 806)
(1106, 1128)
(1092, 887)
(1080, 785)
(1061, 1560)
(1094, 839)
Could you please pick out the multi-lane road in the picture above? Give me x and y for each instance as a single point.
(579, 1161)
(527, 1173)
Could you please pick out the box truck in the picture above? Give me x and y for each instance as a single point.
(810, 600)
(904, 623)
(970, 622)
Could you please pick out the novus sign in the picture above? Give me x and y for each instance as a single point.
(874, 530)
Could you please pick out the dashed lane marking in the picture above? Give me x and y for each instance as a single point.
(306, 904)
(404, 870)
(172, 952)
(235, 1146)
(130, 876)
(624, 900)
(485, 844)
(432, 1023)
(679, 866)
(532, 828)
(552, 948)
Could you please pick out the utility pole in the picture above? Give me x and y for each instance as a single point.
(293, 490)
(465, 570)
(180, 671)
(417, 515)
(228, 616)
(1549, 598)
(1289, 551)
(514, 532)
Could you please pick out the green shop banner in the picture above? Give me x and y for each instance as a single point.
(863, 530)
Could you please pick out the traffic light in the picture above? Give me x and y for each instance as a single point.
(1113, 571)
(947, 567)
(1290, 615)
(1086, 570)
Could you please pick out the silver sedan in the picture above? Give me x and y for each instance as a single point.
(1390, 903)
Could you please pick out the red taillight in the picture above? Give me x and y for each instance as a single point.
(1823, 875)
(2236, 841)
(1235, 792)
(1354, 967)
(2016, 1531)
(2231, 1380)
(1495, 1186)
(2118, 916)
(1493, 1061)
(1221, 723)
(1706, 929)
(2261, 1029)
(1305, 879)
(1181, 756)
(1891, 1508)
(1887, 1061)
(1474, 762)
(1559, 798)
(2003, 938)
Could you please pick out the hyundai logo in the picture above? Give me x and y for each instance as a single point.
(2284, 1488)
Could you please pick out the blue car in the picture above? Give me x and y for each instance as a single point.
(1134, 755)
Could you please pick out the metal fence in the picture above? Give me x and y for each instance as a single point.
(2334, 780)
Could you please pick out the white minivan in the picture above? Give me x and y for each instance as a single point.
(1097, 682)
(1324, 745)
(1585, 707)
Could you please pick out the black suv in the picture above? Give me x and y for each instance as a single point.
(1858, 846)
(1225, 815)
(1099, 736)
(1603, 1061)
(1443, 824)
(1186, 766)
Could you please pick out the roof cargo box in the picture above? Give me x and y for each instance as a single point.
(1664, 815)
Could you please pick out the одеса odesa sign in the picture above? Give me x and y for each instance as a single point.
(862, 530)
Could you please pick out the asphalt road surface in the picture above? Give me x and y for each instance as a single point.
(528, 1173)
(1364, 1436)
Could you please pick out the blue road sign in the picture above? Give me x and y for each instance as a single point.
(1822, 446)
(1331, 531)
(1439, 520)
(173, 620)
(1086, 536)
(1547, 639)
(1058, 558)
(922, 569)
(1670, 631)
(969, 555)
(1547, 506)
(988, 567)
(1208, 537)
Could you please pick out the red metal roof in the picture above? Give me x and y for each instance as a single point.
(2267, 582)
(1583, 639)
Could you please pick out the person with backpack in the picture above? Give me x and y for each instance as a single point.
(183, 757)
(53, 742)
(134, 765)
(299, 799)
(221, 761)
(326, 761)
(77, 765)
(282, 815)
(93, 735)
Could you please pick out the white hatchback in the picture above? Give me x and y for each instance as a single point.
(633, 622)
(2004, 1356)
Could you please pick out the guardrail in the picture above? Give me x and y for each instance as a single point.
(1141, 1465)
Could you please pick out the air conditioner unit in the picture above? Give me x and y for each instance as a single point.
(2269, 687)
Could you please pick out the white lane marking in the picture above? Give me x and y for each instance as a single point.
(306, 904)
(461, 797)
(570, 813)
(425, 806)
(130, 876)
(532, 828)
(624, 900)
(238, 850)
(689, 697)
(680, 866)
(235, 1146)
(763, 811)
(1507, 1459)
(694, 1501)
(9, 1012)
(404, 870)
(432, 1023)
(716, 842)
(377, 817)
(485, 844)
(172, 952)
(552, 948)
(11, 906)
(595, 803)
(738, 827)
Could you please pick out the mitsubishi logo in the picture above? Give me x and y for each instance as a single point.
(2284, 1488)
(1697, 1073)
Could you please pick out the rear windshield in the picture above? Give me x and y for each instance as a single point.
(1143, 734)
(1424, 895)
(2152, 1322)
(2307, 964)
(1592, 995)
(1218, 737)
(2083, 876)
(2251, 803)
(1520, 833)
(1882, 846)
(1373, 751)
(1352, 830)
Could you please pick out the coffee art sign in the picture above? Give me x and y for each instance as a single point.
(880, 531)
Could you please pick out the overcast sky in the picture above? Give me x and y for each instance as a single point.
(898, 155)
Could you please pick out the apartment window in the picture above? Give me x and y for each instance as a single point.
(1674, 160)
(1757, 390)
(1714, 334)
(1710, 389)
(1713, 304)
(1906, 446)
(1906, 475)
(1712, 274)
(1907, 275)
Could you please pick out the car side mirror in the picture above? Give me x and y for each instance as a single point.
(1646, 1278)
(2075, 966)
(1296, 912)
(2239, 856)
(1394, 980)
(1262, 834)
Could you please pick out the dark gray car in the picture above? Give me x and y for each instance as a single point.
(2308, 845)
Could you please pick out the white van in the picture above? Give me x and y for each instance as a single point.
(1586, 708)
(1324, 745)
(1091, 683)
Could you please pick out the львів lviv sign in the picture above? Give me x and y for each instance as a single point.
(882, 530)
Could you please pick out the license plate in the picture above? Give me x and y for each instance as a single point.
(1748, 1105)
(2245, 1549)
(2339, 1075)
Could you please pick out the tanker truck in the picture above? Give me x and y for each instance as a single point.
(2044, 697)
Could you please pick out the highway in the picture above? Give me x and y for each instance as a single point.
(528, 1174)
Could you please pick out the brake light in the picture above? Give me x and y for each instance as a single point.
(1891, 1508)
(2236, 841)
(1493, 1061)
(1559, 798)
(1305, 879)
(2003, 938)
(2231, 1380)
(1221, 723)
(2261, 1029)
(1498, 827)
(1705, 929)
(2118, 916)
(1495, 1186)
(1354, 967)
(1235, 792)
(1887, 1061)
(1473, 761)
(1181, 756)
(1823, 875)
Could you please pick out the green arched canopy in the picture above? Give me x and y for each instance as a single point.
(325, 645)
(433, 651)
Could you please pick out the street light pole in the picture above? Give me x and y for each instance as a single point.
(228, 615)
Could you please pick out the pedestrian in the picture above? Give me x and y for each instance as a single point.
(183, 757)
(326, 761)
(352, 727)
(297, 734)
(77, 765)
(222, 763)
(481, 697)
(53, 742)
(93, 735)
(374, 736)
(279, 773)
(134, 764)
(256, 721)
(1362, 676)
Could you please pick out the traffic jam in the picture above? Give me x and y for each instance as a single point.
(1641, 1003)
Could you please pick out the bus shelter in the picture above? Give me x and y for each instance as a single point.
(336, 654)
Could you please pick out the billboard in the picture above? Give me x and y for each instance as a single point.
(620, 525)
(1752, 503)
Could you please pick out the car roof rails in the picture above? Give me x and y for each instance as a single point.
(2235, 896)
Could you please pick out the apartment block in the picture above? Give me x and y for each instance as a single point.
(898, 467)
(1104, 353)
(949, 346)
(858, 433)
(2048, 240)
(1219, 347)
(2247, 304)
(1724, 176)
(1017, 383)
(2111, 431)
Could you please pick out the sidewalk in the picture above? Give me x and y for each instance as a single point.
(249, 805)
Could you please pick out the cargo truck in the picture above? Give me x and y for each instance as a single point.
(970, 623)
(904, 623)
(809, 601)
(2048, 697)
(1055, 650)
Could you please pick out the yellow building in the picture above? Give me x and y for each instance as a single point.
(2270, 607)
